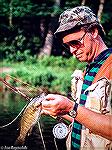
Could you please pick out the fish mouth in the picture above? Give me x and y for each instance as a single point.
(37, 104)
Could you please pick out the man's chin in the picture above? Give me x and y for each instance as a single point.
(81, 59)
(74, 56)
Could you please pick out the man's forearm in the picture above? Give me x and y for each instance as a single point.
(98, 123)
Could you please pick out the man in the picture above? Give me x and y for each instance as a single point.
(81, 33)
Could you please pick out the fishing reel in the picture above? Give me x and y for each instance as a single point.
(60, 130)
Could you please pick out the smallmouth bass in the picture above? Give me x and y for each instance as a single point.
(29, 118)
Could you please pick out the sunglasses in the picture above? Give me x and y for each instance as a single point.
(75, 43)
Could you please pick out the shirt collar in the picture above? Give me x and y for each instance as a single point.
(99, 58)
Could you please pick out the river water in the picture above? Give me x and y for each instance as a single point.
(10, 106)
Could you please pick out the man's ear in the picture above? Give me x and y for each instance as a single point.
(95, 33)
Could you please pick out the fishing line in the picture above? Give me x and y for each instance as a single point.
(41, 135)
(16, 91)
(40, 130)
(14, 118)
(55, 143)
(6, 125)
(31, 89)
(19, 80)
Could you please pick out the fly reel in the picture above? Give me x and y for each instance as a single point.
(60, 131)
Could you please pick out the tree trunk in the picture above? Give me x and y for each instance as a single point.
(42, 28)
(48, 44)
(100, 10)
(57, 2)
(47, 48)
(10, 13)
(83, 2)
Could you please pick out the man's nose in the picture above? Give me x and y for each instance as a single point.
(73, 49)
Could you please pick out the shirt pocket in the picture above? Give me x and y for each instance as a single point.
(98, 96)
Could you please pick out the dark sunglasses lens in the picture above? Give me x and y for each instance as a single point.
(75, 43)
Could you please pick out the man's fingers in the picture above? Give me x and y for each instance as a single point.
(50, 97)
(47, 104)
(46, 112)
(47, 108)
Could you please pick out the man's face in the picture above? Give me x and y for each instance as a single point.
(80, 45)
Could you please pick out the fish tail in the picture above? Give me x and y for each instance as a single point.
(20, 141)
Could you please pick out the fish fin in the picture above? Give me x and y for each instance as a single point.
(19, 141)
(30, 131)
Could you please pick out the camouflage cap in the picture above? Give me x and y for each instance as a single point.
(74, 17)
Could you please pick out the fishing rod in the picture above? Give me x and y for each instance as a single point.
(26, 85)
(14, 89)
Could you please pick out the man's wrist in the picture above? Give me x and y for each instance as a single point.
(73, 112)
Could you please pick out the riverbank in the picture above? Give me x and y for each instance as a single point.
(5, 69)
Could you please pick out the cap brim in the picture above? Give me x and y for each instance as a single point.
(65, 27)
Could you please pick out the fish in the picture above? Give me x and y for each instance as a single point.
(29, 118)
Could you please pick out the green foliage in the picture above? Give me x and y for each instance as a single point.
(52, 72)
(18, 8)
(4, 9)
(19, 48)
(27, 8)
(108, 38)
(18, 38)
(59, 61)
(71, 4)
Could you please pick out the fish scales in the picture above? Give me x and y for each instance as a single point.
(29, 118)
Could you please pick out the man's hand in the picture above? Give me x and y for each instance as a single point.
(55, 105)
